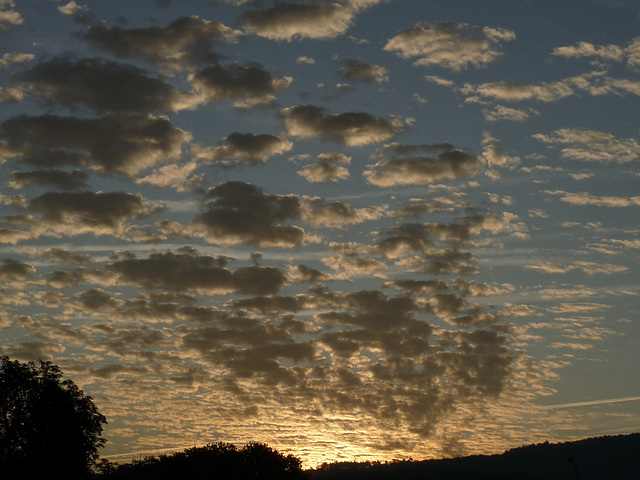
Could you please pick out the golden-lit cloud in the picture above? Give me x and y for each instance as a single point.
(450, 45)
(289, 21)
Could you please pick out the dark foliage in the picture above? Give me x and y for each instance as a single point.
(213, 461)
(48, 427)
(609, 457)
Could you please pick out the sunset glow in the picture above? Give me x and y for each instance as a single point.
(349, 229)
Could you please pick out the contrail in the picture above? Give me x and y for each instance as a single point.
(592, 402)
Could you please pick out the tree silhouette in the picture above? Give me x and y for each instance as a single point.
(254, 461)
(48, 426)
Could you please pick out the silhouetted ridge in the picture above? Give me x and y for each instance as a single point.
(600, 458)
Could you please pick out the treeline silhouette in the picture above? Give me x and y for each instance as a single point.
(599, 458)
(218, 460)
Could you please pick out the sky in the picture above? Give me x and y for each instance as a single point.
(353, 230)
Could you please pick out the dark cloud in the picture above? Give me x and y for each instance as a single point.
(94, 212)
(95, 299)
(303, 273)
(242, 213)
(400, 166)
(351, 128)
(187, 272)
(289, 21)
(14, 270)
(245, 86)
(356, 69)
(115, 143)
(97, 84)
(182, 44)
(62, 255)
(61, 179)
(244, 148)
(319, 213)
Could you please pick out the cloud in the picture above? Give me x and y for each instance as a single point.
(593, 83)
(355, 69)
(178, 176)
(327, 168)
(246, 86)
(336, 214)
(10, 95)
(584, 49)
(244, 148)
(398, 168)
(115, 143)
(15, 271)
(450, 45)
(301, 274)
(351, 128)
(180, 45)
(79, 13)
(586, 198)
(8, 17)
(289, 21)
(62, 255)
(60, 179)
(240, 212)
(192, 272)
(15, 58)
(354, 263)
(96, 83)
(500, 112)
(592, 145)
(98, 213)
(65, 277)
(495, 155)
(516, 91)
(305, 59)
(589, 268)
(603, 53)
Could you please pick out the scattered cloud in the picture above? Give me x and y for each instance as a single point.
(15, 58)
(55, 178)
(291, 21)
(351, 128)
(586, 198)
(192, 272)
(400, 166)
(115, 143)
(180, 45)
(502, 113)
(603, 53)
(450, 45)
(592, 145)
(243, 148)
(245, 86)
(8, 16)
(355, 69)
(328, 168)
(79, 13)
(96, 83)
(239, 212)
(589, 268)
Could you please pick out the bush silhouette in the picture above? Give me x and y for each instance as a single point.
(48, 426)
(213, 461)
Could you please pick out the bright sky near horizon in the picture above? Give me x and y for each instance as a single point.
(350, 229)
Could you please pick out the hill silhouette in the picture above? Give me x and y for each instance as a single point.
(600, 458)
